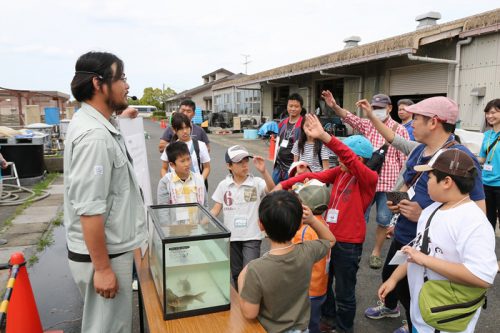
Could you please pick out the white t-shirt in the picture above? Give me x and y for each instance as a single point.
(458, 235)
(240, 204)
(310, 157)
(204, 156)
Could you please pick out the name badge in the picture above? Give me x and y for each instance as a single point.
(411, 192)
(488, 167)
(399, 258)
(240, 222)
(332, 215)
(284, 143)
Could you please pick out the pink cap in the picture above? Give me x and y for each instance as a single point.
(441, 107)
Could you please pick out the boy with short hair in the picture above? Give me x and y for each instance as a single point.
(280, 301)
(181, 185)
(461, 243)
(239, 196)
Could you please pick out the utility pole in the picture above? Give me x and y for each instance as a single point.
(246, 62)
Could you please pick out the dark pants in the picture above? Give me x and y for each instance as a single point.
(402, 290)
(492, 196)
(340, 301)
(316, 303)
(242, 253)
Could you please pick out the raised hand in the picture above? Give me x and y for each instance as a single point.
(313, 127)
(328, 97)
(366, 107)
(259, 164)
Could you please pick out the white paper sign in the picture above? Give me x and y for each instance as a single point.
(133, 134)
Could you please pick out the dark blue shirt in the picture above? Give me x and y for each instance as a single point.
(405, 230)
(409, 129)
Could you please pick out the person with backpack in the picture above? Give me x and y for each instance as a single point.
(390, 165)
(200, 159)
(433, 125)
(310, 150)
(451, 261)
(289, 133)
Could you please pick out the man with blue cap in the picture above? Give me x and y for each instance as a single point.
(353, 189)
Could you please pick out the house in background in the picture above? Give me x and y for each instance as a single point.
(201, 95)
(13, 103)
(458, 59)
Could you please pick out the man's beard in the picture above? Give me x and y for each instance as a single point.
(116, 107)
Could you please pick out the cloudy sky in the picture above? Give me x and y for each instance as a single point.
(174, 43)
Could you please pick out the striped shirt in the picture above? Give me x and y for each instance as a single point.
(310, 157)
(394, 159)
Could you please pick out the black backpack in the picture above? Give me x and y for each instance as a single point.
(377, 160)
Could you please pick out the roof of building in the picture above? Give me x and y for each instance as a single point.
(207, 86)
(48, 93)
(220, 70)
(395, 46)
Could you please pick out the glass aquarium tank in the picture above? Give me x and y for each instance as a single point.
(189, 260)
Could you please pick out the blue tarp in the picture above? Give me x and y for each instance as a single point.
(270, 126)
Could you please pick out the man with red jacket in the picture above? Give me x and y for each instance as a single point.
(353, 189)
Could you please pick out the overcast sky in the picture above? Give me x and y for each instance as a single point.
(176, 42)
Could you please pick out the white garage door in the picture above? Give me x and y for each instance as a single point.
(419, 80)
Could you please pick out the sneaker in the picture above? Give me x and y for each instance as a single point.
(135, 285)
(375, 262)
(381, 311)
(327, 325)
(403, 329)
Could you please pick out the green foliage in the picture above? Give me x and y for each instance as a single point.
(154, 96)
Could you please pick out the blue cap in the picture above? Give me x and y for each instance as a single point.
(360, 145)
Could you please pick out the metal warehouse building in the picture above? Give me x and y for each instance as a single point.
(459, 59)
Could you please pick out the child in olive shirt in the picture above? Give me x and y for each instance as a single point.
(281, 301)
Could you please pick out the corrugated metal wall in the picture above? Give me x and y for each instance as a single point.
(480, 67)
(266, 103)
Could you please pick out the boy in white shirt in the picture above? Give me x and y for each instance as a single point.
(200, 159)
(181, 185)
(239, 196)
(461, 243)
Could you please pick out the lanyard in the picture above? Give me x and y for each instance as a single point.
(488, 149)
(337, 198)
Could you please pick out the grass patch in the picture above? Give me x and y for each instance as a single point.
(58, 220)
(39, 187)
(45, 241)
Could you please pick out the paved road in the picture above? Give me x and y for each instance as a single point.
(58, 299)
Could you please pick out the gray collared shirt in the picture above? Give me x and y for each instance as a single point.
(99, 179)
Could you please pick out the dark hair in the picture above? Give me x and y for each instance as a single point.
(494, 103)
(295, 97)
(303, 139)
(464, 184)
(281, 215)
(188, 102)
(179, 119)
(90, 65)
(176, 150)
(405, 101)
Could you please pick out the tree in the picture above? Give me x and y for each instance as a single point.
(155, 96)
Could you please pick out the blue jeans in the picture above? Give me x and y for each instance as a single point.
(341, 303)
(384, 215)
(279, 175)
(316, 303)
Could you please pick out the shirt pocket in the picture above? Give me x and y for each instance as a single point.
(120, 179)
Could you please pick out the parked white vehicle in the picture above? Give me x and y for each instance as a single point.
(145, 110)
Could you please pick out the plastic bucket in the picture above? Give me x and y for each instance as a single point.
(52, 116)
(250, 134)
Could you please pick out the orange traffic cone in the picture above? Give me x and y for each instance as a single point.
(162, 124)
(22, 315)
(272, 147)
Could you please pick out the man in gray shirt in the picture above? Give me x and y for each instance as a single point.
(103, 205)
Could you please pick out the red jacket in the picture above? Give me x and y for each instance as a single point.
(352, 192)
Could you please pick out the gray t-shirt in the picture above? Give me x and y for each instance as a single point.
(197, 133)
(280, 284)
